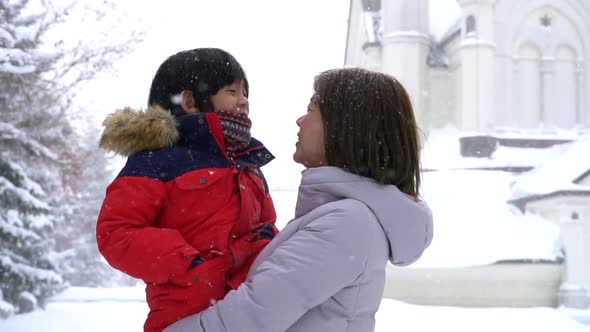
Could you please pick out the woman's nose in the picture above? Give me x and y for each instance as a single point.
(298, 121)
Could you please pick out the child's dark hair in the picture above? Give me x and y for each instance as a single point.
(202, 71)
(369, 126)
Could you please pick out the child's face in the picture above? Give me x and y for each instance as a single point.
(231, 98)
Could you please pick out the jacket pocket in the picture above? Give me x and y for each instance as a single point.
(195, 197)
(200, 179)
(207, 284)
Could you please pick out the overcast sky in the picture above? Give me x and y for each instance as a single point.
(281, 51)
(282, 45)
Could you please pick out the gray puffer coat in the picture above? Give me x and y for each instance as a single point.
(325, 271)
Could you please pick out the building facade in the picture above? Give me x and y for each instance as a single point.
(512, 73)
(503, 64)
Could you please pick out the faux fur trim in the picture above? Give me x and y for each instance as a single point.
(128, 131)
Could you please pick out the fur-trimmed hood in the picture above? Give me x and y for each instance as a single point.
(127, 131)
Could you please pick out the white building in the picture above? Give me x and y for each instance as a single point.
(503, 63)
(506, 73)
(559, 190)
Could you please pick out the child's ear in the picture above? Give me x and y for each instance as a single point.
(188, 103)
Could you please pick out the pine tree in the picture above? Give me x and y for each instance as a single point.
(27, 276)
(41, 155)
(80, 263)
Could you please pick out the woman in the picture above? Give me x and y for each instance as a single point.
(358, 206)
(190, 210)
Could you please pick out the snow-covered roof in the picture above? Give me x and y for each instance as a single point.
(445, 19)
(563, 170)
(468, 198)
(471, 217)
(445, 24)
(443, 151)
(452, 32)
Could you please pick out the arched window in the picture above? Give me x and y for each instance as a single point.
(564, 91)
(527, 89)
(470, 25)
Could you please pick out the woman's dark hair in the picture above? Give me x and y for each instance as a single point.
(202, 71)
(369, 126)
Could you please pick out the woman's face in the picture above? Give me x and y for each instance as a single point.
(309, 149)
(231, 98)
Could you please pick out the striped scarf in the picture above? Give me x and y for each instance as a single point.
(236, 131)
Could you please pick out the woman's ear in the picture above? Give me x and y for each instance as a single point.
(188, 103)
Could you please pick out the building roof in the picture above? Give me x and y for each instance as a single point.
(562, 173)
(445, 19)
(445, 25)
(438, 56)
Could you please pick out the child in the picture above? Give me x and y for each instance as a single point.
(190, 210)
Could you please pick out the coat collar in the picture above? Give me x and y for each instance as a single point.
(128, 131)
(203, 131)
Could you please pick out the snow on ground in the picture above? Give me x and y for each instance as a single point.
(473, 225)
(399, 316)
(124, 310)
(471, 214)
(471, 219)
(566, 164)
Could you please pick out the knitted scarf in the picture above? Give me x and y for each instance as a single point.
(236, 131)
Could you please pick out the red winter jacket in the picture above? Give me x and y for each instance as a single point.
(170, 204)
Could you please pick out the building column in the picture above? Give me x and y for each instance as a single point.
(478, 66)
(573, 292)
(510, 115)
(404, 57)
(547, 91)
(373, 52)
(478, 85)
(405, 48)
(581, 116)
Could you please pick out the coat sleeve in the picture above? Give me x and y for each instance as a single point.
(268, 213)
(126, 235)
(304, 271)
